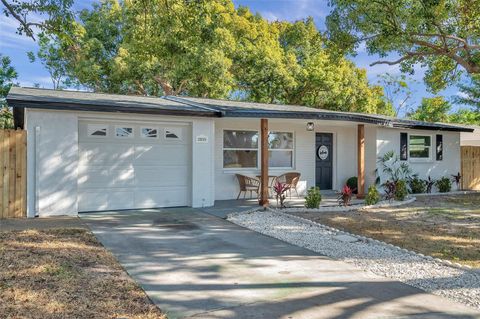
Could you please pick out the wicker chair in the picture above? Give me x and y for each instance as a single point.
(248, 184)
(291, 179)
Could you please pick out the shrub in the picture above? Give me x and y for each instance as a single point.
(390, 189)
(417, 185)
(313, 198)
(345, 196)
(352, 182)
(401, 190)
(373, 196)
(444, 184)
(280, 189)
(457, 179)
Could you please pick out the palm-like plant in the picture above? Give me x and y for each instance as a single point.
(394, 168)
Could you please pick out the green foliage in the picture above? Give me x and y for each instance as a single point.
(208, 49)
(465, 116)
(444, 185)
(393, 168)
(470, 93)
(352, 182)
(442, 36)
(7, 76)
(313, 198)
(434, 109)
(373, 196)
(417, 185)
(401, 190)
(58, 15)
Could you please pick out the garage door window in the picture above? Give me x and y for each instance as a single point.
(149, 132)
(121, 131)
(240, 149)
(172, 134)
(97, 130)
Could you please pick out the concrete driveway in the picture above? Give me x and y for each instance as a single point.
(193, 264)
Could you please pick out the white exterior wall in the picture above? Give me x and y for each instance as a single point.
(52, 158)
(388, 139)
(344, 148)
(52, 162)
(470, 139)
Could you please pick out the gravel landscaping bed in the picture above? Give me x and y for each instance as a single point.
(386, 260)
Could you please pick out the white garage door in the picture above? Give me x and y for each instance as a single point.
(125, 165)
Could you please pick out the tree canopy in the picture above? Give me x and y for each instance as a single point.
(7, 76)
(433, 109)
(443, 36)
(207, 49)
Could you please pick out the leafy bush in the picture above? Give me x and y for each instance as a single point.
(417, 185)
(390, 189)
(457, 179)
(373, 196)
(280, 190)
(345, 196)
(444, 184)
(352, 182)
(401, 190)
(393, 168)
(313, 198)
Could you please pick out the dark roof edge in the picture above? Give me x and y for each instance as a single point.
(72, 106)
(194, 104)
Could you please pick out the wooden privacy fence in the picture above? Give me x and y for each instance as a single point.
(13, 173)
(470, 167)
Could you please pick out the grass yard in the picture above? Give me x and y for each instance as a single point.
(65, 273)
(446, 227)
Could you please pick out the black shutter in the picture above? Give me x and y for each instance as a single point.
(439, 147)
(403, 146)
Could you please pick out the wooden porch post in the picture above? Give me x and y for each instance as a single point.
(361, 160)
(264, 162)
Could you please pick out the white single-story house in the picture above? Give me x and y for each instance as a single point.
(95, 152)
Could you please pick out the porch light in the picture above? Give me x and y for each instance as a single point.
(310, 126)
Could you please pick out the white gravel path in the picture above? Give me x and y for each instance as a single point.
(379, 258)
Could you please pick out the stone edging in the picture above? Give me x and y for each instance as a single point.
(371, 240)
(448, 193)
(382, 204)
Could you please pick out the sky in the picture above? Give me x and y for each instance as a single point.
(17, 46)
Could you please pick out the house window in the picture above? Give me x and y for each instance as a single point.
(149, 132)
(280, 149)
(420, 146)
(97, 130)
(240, 149)
(122, 131)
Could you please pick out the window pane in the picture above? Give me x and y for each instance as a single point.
(240, 139)
(149, 132)
(420, 152)
(420, 146)
(280, 158)
(124, 131)
(280, 140)
(420, 140)
(239, 159)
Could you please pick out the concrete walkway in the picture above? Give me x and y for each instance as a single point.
(193, 264)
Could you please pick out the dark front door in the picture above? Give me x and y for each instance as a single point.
(324, 163)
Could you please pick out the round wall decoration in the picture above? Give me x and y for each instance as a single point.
(322, 152)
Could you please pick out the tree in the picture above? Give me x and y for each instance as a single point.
(397, 92)
(443, 36)
(465, 116)
(470, 93)
(7, 76)
(208, 49)
(433, 109)
(56, 14)
(51, 56)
